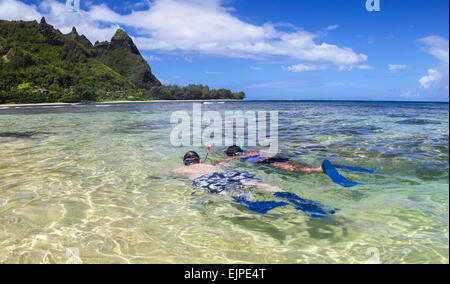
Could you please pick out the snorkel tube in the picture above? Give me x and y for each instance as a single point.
(240, 144)
(208, 150)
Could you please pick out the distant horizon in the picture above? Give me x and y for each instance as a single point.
(306, 100)
(230, 101)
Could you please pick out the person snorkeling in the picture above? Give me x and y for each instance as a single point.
(237, 153)
(216, 180)
(195, 169)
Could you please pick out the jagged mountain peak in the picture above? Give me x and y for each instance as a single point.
(122, 54)
(122, 40)
(121, 35)
(74, 31)
(80, 38)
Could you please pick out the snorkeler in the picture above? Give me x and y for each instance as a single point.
(328, 168)
(198, 171)
(215, 180)
(237, 153)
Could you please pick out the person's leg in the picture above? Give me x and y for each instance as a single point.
(306, 168)
(318, 170)
(297, 167)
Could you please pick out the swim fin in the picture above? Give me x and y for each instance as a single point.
(355, 169)
(331, 171)
(261, 207)
(311, 208)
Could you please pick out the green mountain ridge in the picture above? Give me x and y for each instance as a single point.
(122, 55)
(69, 68)
(80, 38)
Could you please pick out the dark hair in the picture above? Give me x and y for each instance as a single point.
(233, 150)
(191, 158)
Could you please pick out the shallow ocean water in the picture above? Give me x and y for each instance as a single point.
(91, 184)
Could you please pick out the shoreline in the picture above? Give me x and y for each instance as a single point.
(204, 101)
(116, 102)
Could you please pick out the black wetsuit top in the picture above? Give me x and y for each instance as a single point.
(273, 160)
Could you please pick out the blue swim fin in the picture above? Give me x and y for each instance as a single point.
(355, 169)
(261, 207)
(311, 208)
(331, 171)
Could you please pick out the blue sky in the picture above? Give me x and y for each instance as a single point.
(290, 49)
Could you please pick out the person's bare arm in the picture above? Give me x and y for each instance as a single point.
(224, 161)
(269, 153)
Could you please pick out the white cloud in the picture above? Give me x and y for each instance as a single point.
(303, 67)
(256, 68)
(437, 46)
(438, 75)
(16, 10)
(188, 59)
(336, 84)
(284, 84)
(164, 82)
(190, 26)
(332, 27)
(152, 58)
(410, 95)
(432, 77)
(63, 19)
(57, 14)
(363, 67)
(314, 67)
(396, 67)
(351, 67)
(208, 27)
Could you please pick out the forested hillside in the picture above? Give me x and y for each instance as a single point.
(39, 64)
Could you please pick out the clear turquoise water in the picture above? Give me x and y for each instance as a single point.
(95, 180)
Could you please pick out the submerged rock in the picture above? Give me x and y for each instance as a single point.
(22, 135)
(418, 122)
